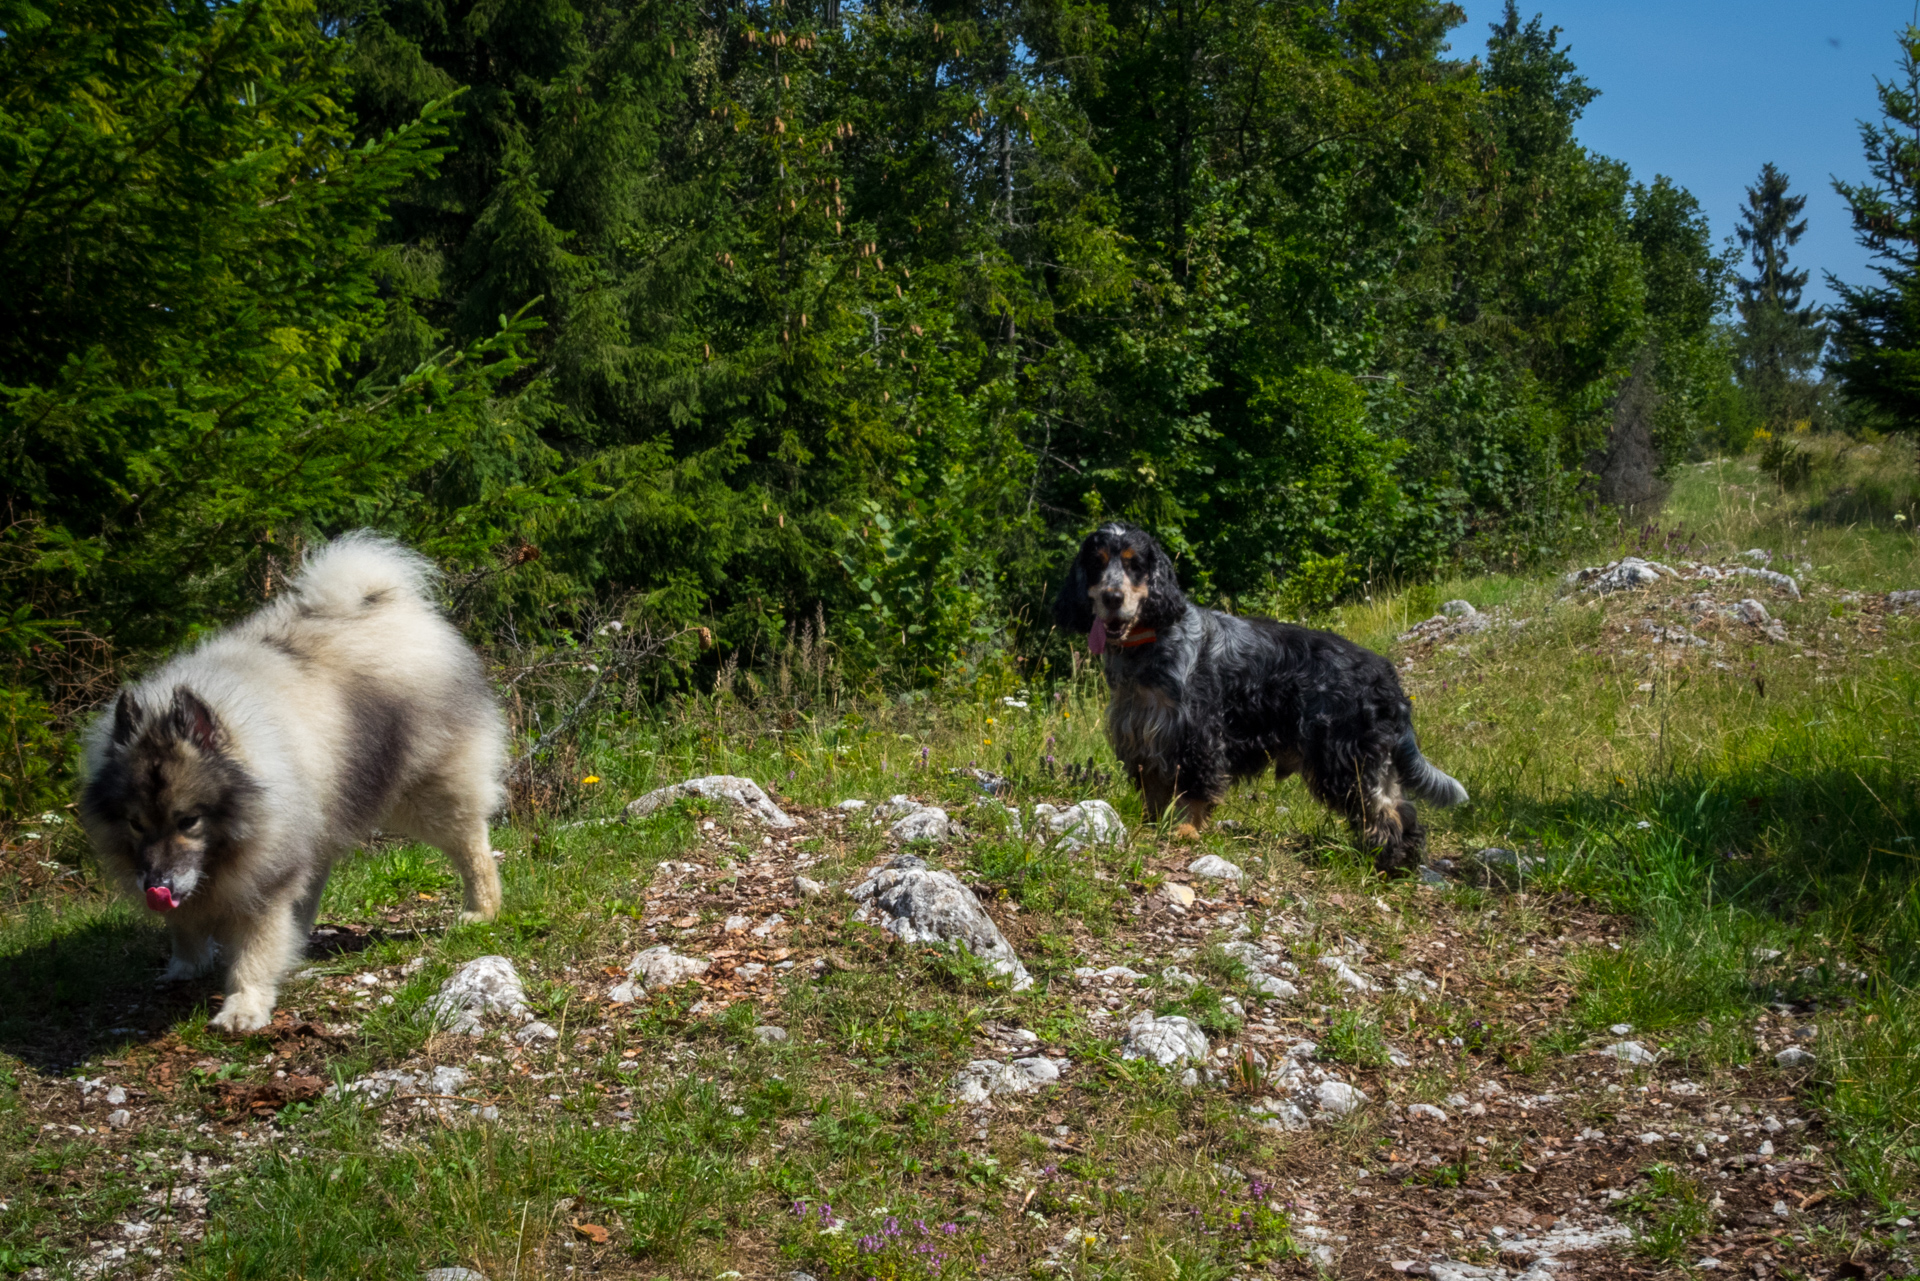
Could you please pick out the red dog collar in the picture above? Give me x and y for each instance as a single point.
(1144, 636)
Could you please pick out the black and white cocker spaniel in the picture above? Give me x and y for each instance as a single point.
(1200, 698)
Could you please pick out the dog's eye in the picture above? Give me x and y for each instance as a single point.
(1127, 554)
(187, 822)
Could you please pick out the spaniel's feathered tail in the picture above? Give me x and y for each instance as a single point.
(1422, 777)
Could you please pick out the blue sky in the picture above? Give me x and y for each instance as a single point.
(1705, 91)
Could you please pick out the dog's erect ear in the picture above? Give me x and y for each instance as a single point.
(1165, 601)
(1073, 611)
(126, 719)
(193, 720)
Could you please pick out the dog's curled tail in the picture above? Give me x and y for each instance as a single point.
(362, 571)
(1424, 779)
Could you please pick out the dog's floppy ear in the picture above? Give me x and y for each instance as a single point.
(193, 721)
(1073, 611)
(1165, 601)
(126, 719)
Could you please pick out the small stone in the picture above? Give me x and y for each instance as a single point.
(917, 904)
(1077, 826)
(1457, 609)
(767, 1034)
(742, 793)
(1707, 1264)
(1268, 985)
(1766, 1147)
(807, 887)
(1178, 895)
(1621, 1029)
(485, 985)
(1630, 1052)
(1347, 976)
(1166, 1041)
(981, 1079)
(1794, 1056)
(120, 1118)
(452, 1274)
(1425, 1112)
(851, 804)
(1651, 1137)
(536, 1031)
(1337, 1098)
(766, 928)
(657, 967)
(929, 823)
(116, 1096)
(446, 1079)
(1215, 868)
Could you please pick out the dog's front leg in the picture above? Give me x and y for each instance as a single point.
(194, 954)
(1156, 791)
(264, 948)
(1194, 812)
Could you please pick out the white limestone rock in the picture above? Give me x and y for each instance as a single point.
(1167, 1041)
(1215, 868)
(656, 968)
(1628, 574)
(1630, 1052)
(917, 904)
(742, 793)
(1078, 826)
(981, 1079)
(928, 823)
(1346, 975)
(1337, 1098)
(485, 985)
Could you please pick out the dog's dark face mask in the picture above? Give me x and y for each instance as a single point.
(169, 796)
(1121, 579)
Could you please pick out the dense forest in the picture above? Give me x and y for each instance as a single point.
(746, 313)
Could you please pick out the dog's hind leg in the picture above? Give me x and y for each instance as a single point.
(472, 853)
(1392, 829)
(1383, 823)
(458, 828)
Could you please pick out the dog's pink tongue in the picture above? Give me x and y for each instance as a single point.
(1097, 638)
(160, 898)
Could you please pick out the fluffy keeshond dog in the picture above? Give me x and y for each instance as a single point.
(223, 787)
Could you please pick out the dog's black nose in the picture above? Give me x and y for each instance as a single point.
(1110, 599)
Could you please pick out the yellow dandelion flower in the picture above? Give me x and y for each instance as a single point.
(591, 778)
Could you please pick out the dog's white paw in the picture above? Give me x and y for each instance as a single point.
(243, 1012)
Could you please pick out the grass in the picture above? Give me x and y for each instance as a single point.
(1724, 860)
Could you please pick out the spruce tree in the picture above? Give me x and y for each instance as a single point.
(1877, 327)
(1780, 340)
